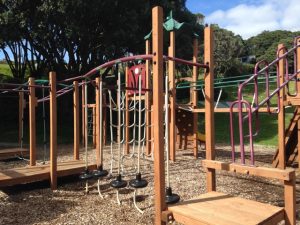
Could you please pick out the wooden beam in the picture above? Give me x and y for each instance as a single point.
(272, 173)
(76, 119)
(148, 101)
(32, 122)
(195, 97)
(97, 121)
(209, 107)
(159, 168)
(83, 113)
(172, 129)
(298, 88)
(281, 114)
(21, 115)
(127, 115)
(235, 110)
(290, 201)
(94, 126)
(53, 131)
(100, 123)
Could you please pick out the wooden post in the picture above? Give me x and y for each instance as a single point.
(21, 115)
(127, 115)
(209, 107)
(172, 130)
(159, 168)
(104, 118)
(76, 119)
(281, 114)
(83, 113)
(53, 131)
(298, 95)
(94, 125)
(100, 128)
(290, 201)
(195, 98)
(97, 121)
(148, 102)
(32, 123)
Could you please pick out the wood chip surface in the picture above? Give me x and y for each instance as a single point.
(37, 204)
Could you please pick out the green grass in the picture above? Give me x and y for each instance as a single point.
(5, 70)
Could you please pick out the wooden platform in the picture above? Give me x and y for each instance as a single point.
(218, 208)
(13, 152)
(39, 173)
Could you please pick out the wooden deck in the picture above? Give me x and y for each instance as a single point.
(13, 152)
(218, 208)
(39, 173)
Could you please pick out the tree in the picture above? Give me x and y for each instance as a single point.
(228, 48)
(71, 37)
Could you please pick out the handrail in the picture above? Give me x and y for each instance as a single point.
(254, 110)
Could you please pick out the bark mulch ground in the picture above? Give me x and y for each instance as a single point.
(37, 204)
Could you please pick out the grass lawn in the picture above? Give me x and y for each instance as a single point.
(5, 70)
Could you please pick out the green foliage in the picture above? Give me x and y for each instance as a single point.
(264, 46)
(228, 48)
(72, 37)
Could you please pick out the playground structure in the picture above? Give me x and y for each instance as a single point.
(139, 108)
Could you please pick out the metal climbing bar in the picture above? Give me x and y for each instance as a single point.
(253, 109)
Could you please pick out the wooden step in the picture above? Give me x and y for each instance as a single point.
(222, 209)
(41, 172)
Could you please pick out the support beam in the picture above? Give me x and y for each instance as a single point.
(94, 126)
(290, 201)
(127, 115)
(148, 102)
(53, 131)
(159, 168)
(172, 130)
(281, 114)
(209, 107)
(21, 116)
(76, 119)
(194, 97)
(97, 121)
(32, 122)
(100, 123)
(83, 113)
(298, 94)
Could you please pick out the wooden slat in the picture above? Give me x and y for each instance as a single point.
(12, 152)
(222, 209)
(286, 174)
(42, 172)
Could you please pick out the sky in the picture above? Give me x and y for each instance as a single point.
(249, 17)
